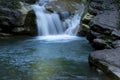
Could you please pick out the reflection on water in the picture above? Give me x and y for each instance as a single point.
(33, 59)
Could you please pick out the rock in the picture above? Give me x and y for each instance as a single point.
(93, 11)
(99, 44)
(84, 30)
(90, 37)
(5, 35)
(60, 5)
(30, 23)
(64, 15)
(116, 44)
(11, 18)
(108, 61)
(116, 34)
(93, 35)
(21, 31)
(86, 19)
(97, 35)
(105, 23)
(8, 16)
(96, 5)
(0, 29)
(28, 1)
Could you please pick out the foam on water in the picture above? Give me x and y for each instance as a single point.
(59, 38)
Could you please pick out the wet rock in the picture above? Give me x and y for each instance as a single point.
(30, 23)
(30, 1)
(93, 78)
(64, 5)
(99, 44)
(64, 15)
(93, 11)
(105, 23)
(116, 34)
(81, 77)
(108, 61)
(10, 18)
(21, 30)
(93, 35)
(116, 44)
(96, 5)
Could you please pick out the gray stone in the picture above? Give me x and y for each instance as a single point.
(104, 23)
(5, 35)
(99, 44)
(116, 44)
(10, 18)
(64, 15)
(108, 61)
(116, 34)
(96, 5)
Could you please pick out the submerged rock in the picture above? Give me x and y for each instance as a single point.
(108, 61)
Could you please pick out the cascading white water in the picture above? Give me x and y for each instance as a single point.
(50, 23)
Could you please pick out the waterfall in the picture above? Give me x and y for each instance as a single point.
(50, 23)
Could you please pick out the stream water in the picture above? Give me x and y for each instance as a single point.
(41, 59)
(54, 55)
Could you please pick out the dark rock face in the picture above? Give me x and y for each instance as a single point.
(13, 18)
(105, 22)
(99, 44)
(108, 61)
(104, 25)
(116, 44)
(10, 17)
(116, 34)
(104, 35)
(30, 23)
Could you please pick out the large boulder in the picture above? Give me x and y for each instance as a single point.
(108, 61)
(12, 19)
(105, 22)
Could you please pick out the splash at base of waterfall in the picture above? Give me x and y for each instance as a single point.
(59, 38)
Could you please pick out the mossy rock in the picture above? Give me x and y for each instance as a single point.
(84, 30)
(86, 19)
(30, 23)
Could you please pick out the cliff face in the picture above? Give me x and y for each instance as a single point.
(12, 16)
(104, 36)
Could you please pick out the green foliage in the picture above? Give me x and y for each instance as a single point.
(10, 3)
